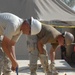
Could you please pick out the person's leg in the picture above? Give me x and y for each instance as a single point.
(33, 56)
(44, 62)
(52, 58)
(6, 66)
(33, 53)
(1, 61)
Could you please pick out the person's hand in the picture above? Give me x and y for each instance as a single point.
(14, 66)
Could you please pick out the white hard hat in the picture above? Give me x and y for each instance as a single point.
(35, 26)
(69, 38)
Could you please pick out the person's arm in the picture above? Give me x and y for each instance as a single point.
(13, 52)
(52, 51)
(40, 47)
(41, 43)
(7, 47)
(52, 54)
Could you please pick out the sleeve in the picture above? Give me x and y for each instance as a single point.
(8, 32)
(16, 37)
(45, 39)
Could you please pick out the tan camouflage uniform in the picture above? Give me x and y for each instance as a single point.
(34, 55)
(5, 64)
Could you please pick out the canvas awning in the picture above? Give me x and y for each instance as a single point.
(40, 9)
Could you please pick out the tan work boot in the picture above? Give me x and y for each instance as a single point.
(53, 69)
(7, 73)
(33, 73)
(48, 73)
(33, 68)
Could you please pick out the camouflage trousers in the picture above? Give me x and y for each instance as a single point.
(33, 53)
(5, 64)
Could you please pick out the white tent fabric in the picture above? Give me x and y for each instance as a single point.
(40, 9)
(44, 10)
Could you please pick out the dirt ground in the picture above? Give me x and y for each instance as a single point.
(62, 67)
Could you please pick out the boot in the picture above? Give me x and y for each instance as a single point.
(33, 73)
(33, 69)
(7, 73)
(53, 69)
(44, 62)
(48, 73)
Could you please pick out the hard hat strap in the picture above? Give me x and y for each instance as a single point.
(63, 34)
(28, 21)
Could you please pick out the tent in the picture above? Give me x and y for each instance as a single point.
(40, 9)
(44, 10)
